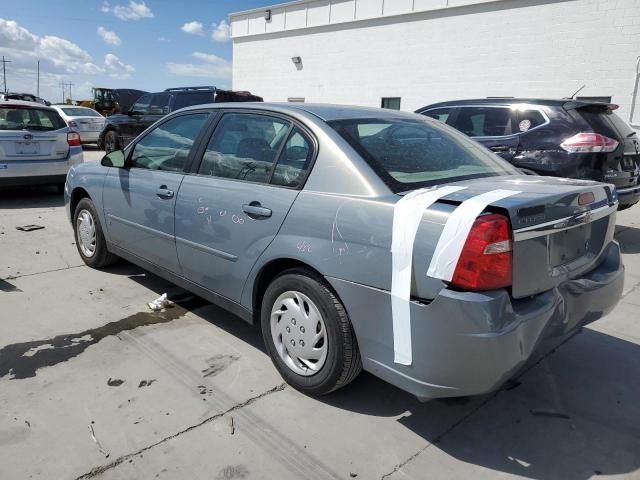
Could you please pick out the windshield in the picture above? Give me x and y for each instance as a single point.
(20, 118)
(80, 112)
(409, 154)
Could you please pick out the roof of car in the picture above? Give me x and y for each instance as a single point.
(323, 111)
(552, 102)
(22, 103)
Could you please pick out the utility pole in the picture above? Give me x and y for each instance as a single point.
(4, 73)
(62, 84)
(38, 81)
(70, 96)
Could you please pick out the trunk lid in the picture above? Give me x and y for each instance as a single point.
(89, 124)
(33, 145)
(560, 226)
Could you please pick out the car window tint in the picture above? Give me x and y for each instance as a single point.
(484, 121)
(30, 119)
(528, 119)
(160, 104)
(294, 161)
(441, 114)
(244, 147)
(167, 146)
(192, 98)
(409, 153)
(142, 104)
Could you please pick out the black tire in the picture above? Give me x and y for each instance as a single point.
(111, 141)
(101, 256)
(343, 362)
(624, 207)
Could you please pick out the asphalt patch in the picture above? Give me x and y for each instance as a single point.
(23, 360)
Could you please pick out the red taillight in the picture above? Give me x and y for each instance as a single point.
(73, 139)
(589, 142)
(486, 261)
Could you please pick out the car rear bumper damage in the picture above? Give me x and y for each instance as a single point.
(467, 343)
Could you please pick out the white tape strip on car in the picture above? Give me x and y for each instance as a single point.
(407, 215)
(455, 232)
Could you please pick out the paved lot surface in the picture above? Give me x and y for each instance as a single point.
(92, 384)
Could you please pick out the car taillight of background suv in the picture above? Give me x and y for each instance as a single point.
(564, 138)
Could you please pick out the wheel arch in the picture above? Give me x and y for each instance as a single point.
(271, 270)
(77, 194)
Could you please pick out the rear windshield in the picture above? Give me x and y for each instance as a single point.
(192, 98)
(80, 112)
(605, 122)
(20, 118)
(409, 154)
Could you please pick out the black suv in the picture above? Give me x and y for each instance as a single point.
(564, 138)
(120, 129)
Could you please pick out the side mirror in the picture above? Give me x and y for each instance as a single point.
(113, 159)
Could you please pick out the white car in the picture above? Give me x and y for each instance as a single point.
(86, 121)
(36, 146)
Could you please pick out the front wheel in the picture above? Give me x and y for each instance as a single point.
(308, 334)
(90, 240)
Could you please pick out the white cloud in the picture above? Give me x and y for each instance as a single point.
(162, 39)
(24, 48)
(221, 31)
(210, 66)
(133, 11)
(117, 68)
(194, 28)
(109, 37)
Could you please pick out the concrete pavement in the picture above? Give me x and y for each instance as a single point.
(95, 385)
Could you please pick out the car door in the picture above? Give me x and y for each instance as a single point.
(133, 126)
(139, 200)
(490, 125)
(158, 108)
(230, 211)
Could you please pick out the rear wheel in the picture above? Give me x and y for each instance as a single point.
(90, 240)
(111, 141)
(308, 334)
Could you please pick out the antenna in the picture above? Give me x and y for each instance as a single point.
(578, 91)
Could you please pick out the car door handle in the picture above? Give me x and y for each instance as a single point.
(499, 148)
(164, 192)
(254, 209)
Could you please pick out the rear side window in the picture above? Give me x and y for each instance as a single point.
(244, 147)
(29, 119)
(408, 153)
(441, 114)
(294, 161)
(484, 121)
(528, 119)
(192, 98)
(167, 146)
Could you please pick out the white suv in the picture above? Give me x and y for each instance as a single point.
(36, 145)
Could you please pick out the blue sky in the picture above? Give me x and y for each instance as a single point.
(144, 44)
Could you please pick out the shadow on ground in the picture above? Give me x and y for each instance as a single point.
(572, 415)
(629, 238)
(30, 197)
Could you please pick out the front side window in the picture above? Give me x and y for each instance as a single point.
(294, 161)
(141, 105)
(414, 153)
(167, 146)
(160, 104)
(244, 147)
(441, 114)
(484, 121)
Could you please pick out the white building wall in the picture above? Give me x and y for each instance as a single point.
(525, 48)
